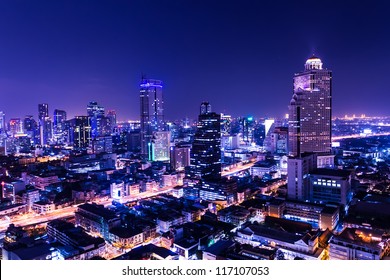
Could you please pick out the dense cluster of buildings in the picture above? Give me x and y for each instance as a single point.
(215, 188)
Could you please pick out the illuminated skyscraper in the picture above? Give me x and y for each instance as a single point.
(15, 126)
(43, 111)
(206, 147)
(160, 146)
(152, 112)
(100, 124)
(310, 112)
(310, 127)
(31, 128)
(111, 115)
(80, 131)
(95, 110)
(59, 125)
(44, 123)
(2, 122)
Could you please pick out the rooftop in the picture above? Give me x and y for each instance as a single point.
(331, 172)
(125, 232)
(144, 252)
(98, 210)
(220, 247)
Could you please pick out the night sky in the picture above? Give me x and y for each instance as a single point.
(238, 55)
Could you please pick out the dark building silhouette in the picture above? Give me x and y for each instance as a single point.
(205, 162)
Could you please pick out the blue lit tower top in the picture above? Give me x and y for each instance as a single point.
(313, 63)
(146, 83)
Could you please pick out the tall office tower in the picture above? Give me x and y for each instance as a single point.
(205, 162)
(59, 125)
(111, 115)
(96, 114)
(2, 122)
(310, 110)
(159, 149)
(180, 156)
(44, 123)
(29, 124)
(134, 141)
(152, 112)
(43, 111)
(95, 110)
(247, 130)
(15, 126)
(47, 130)
(226, 121)
(31, 128)
(80, 131)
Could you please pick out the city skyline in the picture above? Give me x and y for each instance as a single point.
(202, 52)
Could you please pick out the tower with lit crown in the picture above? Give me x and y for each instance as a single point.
(310, 127)
(310, 110)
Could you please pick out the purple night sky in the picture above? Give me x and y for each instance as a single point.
(238, 55)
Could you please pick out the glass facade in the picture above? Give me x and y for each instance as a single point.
(152, 112)
(205, 162)
(310, 110)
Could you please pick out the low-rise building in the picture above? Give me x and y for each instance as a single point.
(293, 239)
(149, 252)
(13, 209)
(42, 207)
(235, 215)
(318, 215)
(167, 220)
(359, 244)
(125, 238)
(330, 186)
(78, 245)
(96, 219)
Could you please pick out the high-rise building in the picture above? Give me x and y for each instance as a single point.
(247, 130)
(206, 147)
(44, 123)
(59, 125)
(152, 112)
(31, 128)
(159, 148)
(180, 156)
(97, 119)
(102, 144)
(298, 176)
(15, 126)
(2, 122)
(111, 115)
(134, 141)
(310, 110)
(80, 131)
(226, 121)
(47, 131)
(43, 111)
(95, 110)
